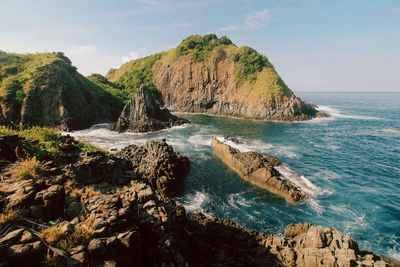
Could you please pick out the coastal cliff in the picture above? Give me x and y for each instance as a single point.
(258, 170)
(45, 89)
(212, 75)
(143, 114)
(77, 206)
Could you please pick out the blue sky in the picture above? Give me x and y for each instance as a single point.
(314, 45)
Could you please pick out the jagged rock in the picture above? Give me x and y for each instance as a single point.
(157, 162)
(51, 202)
(142, 114)
(136, 226)
(258, 170)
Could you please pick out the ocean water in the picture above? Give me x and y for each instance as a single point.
(349, 164)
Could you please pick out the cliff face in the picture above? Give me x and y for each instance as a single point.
(45, 89)
(143, 114)
(211, 75)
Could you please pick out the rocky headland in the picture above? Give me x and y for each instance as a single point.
(143, 114)
(212, 75)
(258, 170)
(78, 206)
(45, 89)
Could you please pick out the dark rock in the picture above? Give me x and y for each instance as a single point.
(51, 202)
(73, 210)
(157, 162)
(96, 246)
(142, 114)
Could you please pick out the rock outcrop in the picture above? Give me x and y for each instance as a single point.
(258, 170)
(120, 218)
(143, 114)
(157, 162)
(211, 75)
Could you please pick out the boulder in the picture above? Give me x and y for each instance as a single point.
(157, 162)
(143, 114)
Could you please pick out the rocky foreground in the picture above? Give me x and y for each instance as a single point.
(143, 114)
(83, 208)
(258, 170)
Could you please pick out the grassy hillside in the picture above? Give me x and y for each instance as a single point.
(250, 66)
(45, 89)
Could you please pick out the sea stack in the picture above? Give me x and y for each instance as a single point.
(258, 170)
(143, 114)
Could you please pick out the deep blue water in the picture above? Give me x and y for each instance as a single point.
(351, 161)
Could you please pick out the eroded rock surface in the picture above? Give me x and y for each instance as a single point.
(258, 170)
(126, 220)
(143, 114)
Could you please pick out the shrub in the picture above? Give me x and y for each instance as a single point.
(201, 46)
(249, 63)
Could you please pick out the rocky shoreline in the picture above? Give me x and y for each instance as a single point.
(93, 208)
(258, 170)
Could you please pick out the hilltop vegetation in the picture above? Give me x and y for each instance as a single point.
(45, 89)
(209, 50)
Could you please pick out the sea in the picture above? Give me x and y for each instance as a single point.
(349, 164)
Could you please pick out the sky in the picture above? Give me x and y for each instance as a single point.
(351, 45)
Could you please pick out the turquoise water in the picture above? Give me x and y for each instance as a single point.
(351, 162)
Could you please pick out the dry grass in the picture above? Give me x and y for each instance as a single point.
(25, 169)
(90, 191)
(9, 216)
(56, 237)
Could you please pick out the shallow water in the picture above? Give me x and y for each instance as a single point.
(349, 164)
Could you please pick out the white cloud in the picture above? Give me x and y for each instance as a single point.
(152, 2)
(259, 19)
(82, 50)
(395, 10)
(230, 28)
(254, 21)
(133, 55)
(183, 24)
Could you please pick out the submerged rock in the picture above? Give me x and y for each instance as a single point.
(258, 170)
(143, 114)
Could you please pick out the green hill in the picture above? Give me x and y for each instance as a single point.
(45, 89)
(212, 75)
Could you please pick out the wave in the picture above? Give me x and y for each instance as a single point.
(196, 203)
(390, 131)
(339, 114)
(237, 200)
(248, 145)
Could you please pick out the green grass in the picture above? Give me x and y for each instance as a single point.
(45, 141)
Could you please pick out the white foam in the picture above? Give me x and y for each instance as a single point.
(339, 114)
(390, 131)
(196, 202)
(299, 180)
(248, 145)
(395, 251)
(237, 200)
